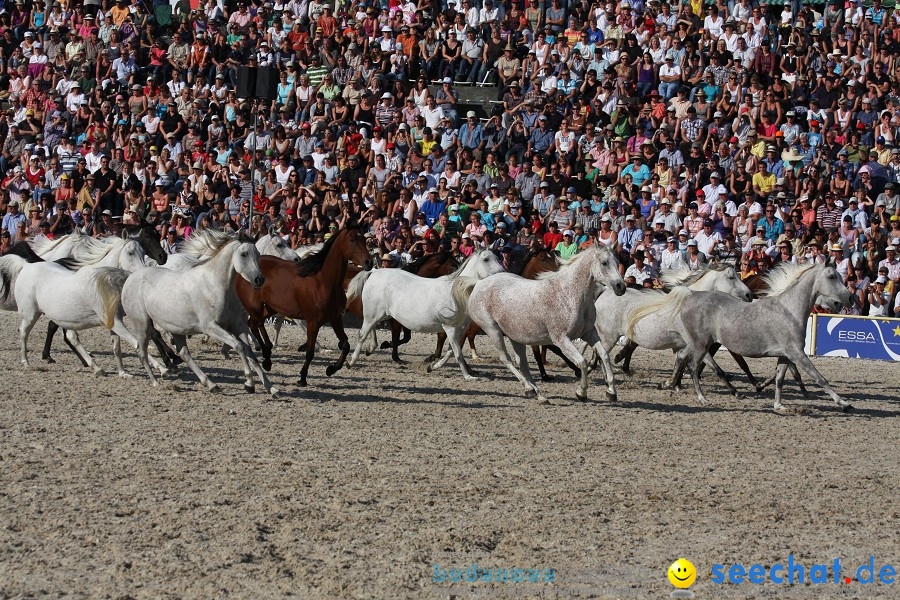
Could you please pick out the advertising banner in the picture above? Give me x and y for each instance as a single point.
(856, 337)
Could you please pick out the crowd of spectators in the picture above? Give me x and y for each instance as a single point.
(677, 134)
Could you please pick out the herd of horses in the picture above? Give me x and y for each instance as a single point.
(226, 288)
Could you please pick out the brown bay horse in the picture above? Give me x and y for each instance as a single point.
(311, 290)
(539, 262)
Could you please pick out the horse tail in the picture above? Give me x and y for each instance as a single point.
(10, 265)
(460, 290)
(355, 288)
(109, 282)
(674, 300)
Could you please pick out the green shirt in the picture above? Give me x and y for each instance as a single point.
(317, 74)
(566, 251)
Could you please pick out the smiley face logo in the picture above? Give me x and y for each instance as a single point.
(682, 573)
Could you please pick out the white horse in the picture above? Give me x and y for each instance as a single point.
(556, 308)
(658, 331)
(274, 245)
(199, 300)
(774, 325)
(75, 300)
(125, 254)
(83, 247)
(420, 304)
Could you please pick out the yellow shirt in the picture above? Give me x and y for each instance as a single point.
(427, 146)
(758, 149)
(765, 182)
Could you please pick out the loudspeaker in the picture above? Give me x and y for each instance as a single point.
(266, 83)
(246, 82)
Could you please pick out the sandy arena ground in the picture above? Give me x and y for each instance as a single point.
(354, 486)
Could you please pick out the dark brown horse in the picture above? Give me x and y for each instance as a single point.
(539, 262)
(312, 290)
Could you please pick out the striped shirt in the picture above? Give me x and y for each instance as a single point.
(317, 74)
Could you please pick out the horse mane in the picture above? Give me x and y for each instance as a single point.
(25, 251)
(313, 263)
(45, 245)
(205, 245)
(109, 282)
(471, 257)
(92, 253)
(783, 276)
(571, 261)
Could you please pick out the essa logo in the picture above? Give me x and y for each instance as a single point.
(864, 337)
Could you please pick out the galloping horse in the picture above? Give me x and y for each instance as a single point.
(542, 261)
(312, 290)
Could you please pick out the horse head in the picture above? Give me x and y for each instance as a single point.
(245, 262)
(832, 293)
(605, 269)
(352, 244)
(146, 235)
(727, 281)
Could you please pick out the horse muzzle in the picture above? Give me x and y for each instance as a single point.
(368, 264)
(748, 297)
(258, 281)
(619, 288)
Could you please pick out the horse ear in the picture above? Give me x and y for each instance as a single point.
(125, 235)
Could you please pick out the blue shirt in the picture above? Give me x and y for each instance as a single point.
(471, 137)
(773, 230)
(639, 175)
(432, 210)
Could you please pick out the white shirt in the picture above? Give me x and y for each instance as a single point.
(706, 243)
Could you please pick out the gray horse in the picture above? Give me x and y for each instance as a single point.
(773, 326)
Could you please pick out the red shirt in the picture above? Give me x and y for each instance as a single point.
(552, 239)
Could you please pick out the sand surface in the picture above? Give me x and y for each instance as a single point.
(355, 486)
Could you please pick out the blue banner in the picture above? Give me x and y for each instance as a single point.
(857, 337)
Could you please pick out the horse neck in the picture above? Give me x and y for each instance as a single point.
(220, 267)
(706, 283)
(335, 267)
(800, 299)
(535, 268)
(577, 277)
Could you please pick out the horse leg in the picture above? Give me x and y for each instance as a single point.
(470, 335)
(522, 354)
(709, 361)
(802, 361)
(312, 333)
(169, 356)
(73, 337)
(742, 363)
(277, 325)
(438, 350)
(244, 336)
(364, 331)
(52, 328)
(142, 336)
(696, 358)
(555, 350)
(122, 332)
(396, 330)
(117, 353)
(185, 354)
(536, 351)
(601, 352)
(217, 332)
(338, 326)
(780, 371)
(25, 327)
(796, 375)
(496, 336)
(567, 347)
(674, 382)
(454, 337)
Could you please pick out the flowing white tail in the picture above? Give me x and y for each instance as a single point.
(674, 300)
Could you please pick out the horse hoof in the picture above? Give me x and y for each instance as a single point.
(530, 393)
(273, 393)
(267, 364)
(100, 373)
(214, 389)
(627, 371)
(475, 356)
(429, 368)
(847, 408)
(250, 389)
(330, 370)
(611, 397)
(50, 360)
(385, 345)
(542, 401)
(581, 398)
(301, 348)
(397, 360)
(125, 375)
(547, 378)
(302, 383)
(470, 378)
